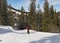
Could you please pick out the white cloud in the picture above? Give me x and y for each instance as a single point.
(54, 2)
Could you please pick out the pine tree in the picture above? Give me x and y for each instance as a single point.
(53, 20)
(21, 18)
(10, 17)
(32, 14)
(39, 18)
(22, 14)
(59, 23)
(56, 18)
(32, 7)
(4, 12)
(46, 16)
(0, 12)
(51, 14)
(56, 22)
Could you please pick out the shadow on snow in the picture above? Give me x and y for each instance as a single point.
(51, 39)
(3, 31)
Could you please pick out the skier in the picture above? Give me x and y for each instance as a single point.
(27, 27)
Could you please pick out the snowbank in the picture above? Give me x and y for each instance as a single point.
(8, 35)
(33, 37)
(5, 29)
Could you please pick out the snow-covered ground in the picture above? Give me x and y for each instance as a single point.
(8, 35)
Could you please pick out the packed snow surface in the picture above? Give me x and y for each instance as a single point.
(8, 35)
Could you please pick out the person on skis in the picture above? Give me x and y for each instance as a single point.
(28, 27)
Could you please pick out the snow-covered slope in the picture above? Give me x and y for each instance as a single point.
(5, 29)
(33, 37)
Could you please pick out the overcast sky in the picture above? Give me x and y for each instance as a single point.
(25, 3)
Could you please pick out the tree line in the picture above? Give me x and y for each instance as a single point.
(47, 21)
